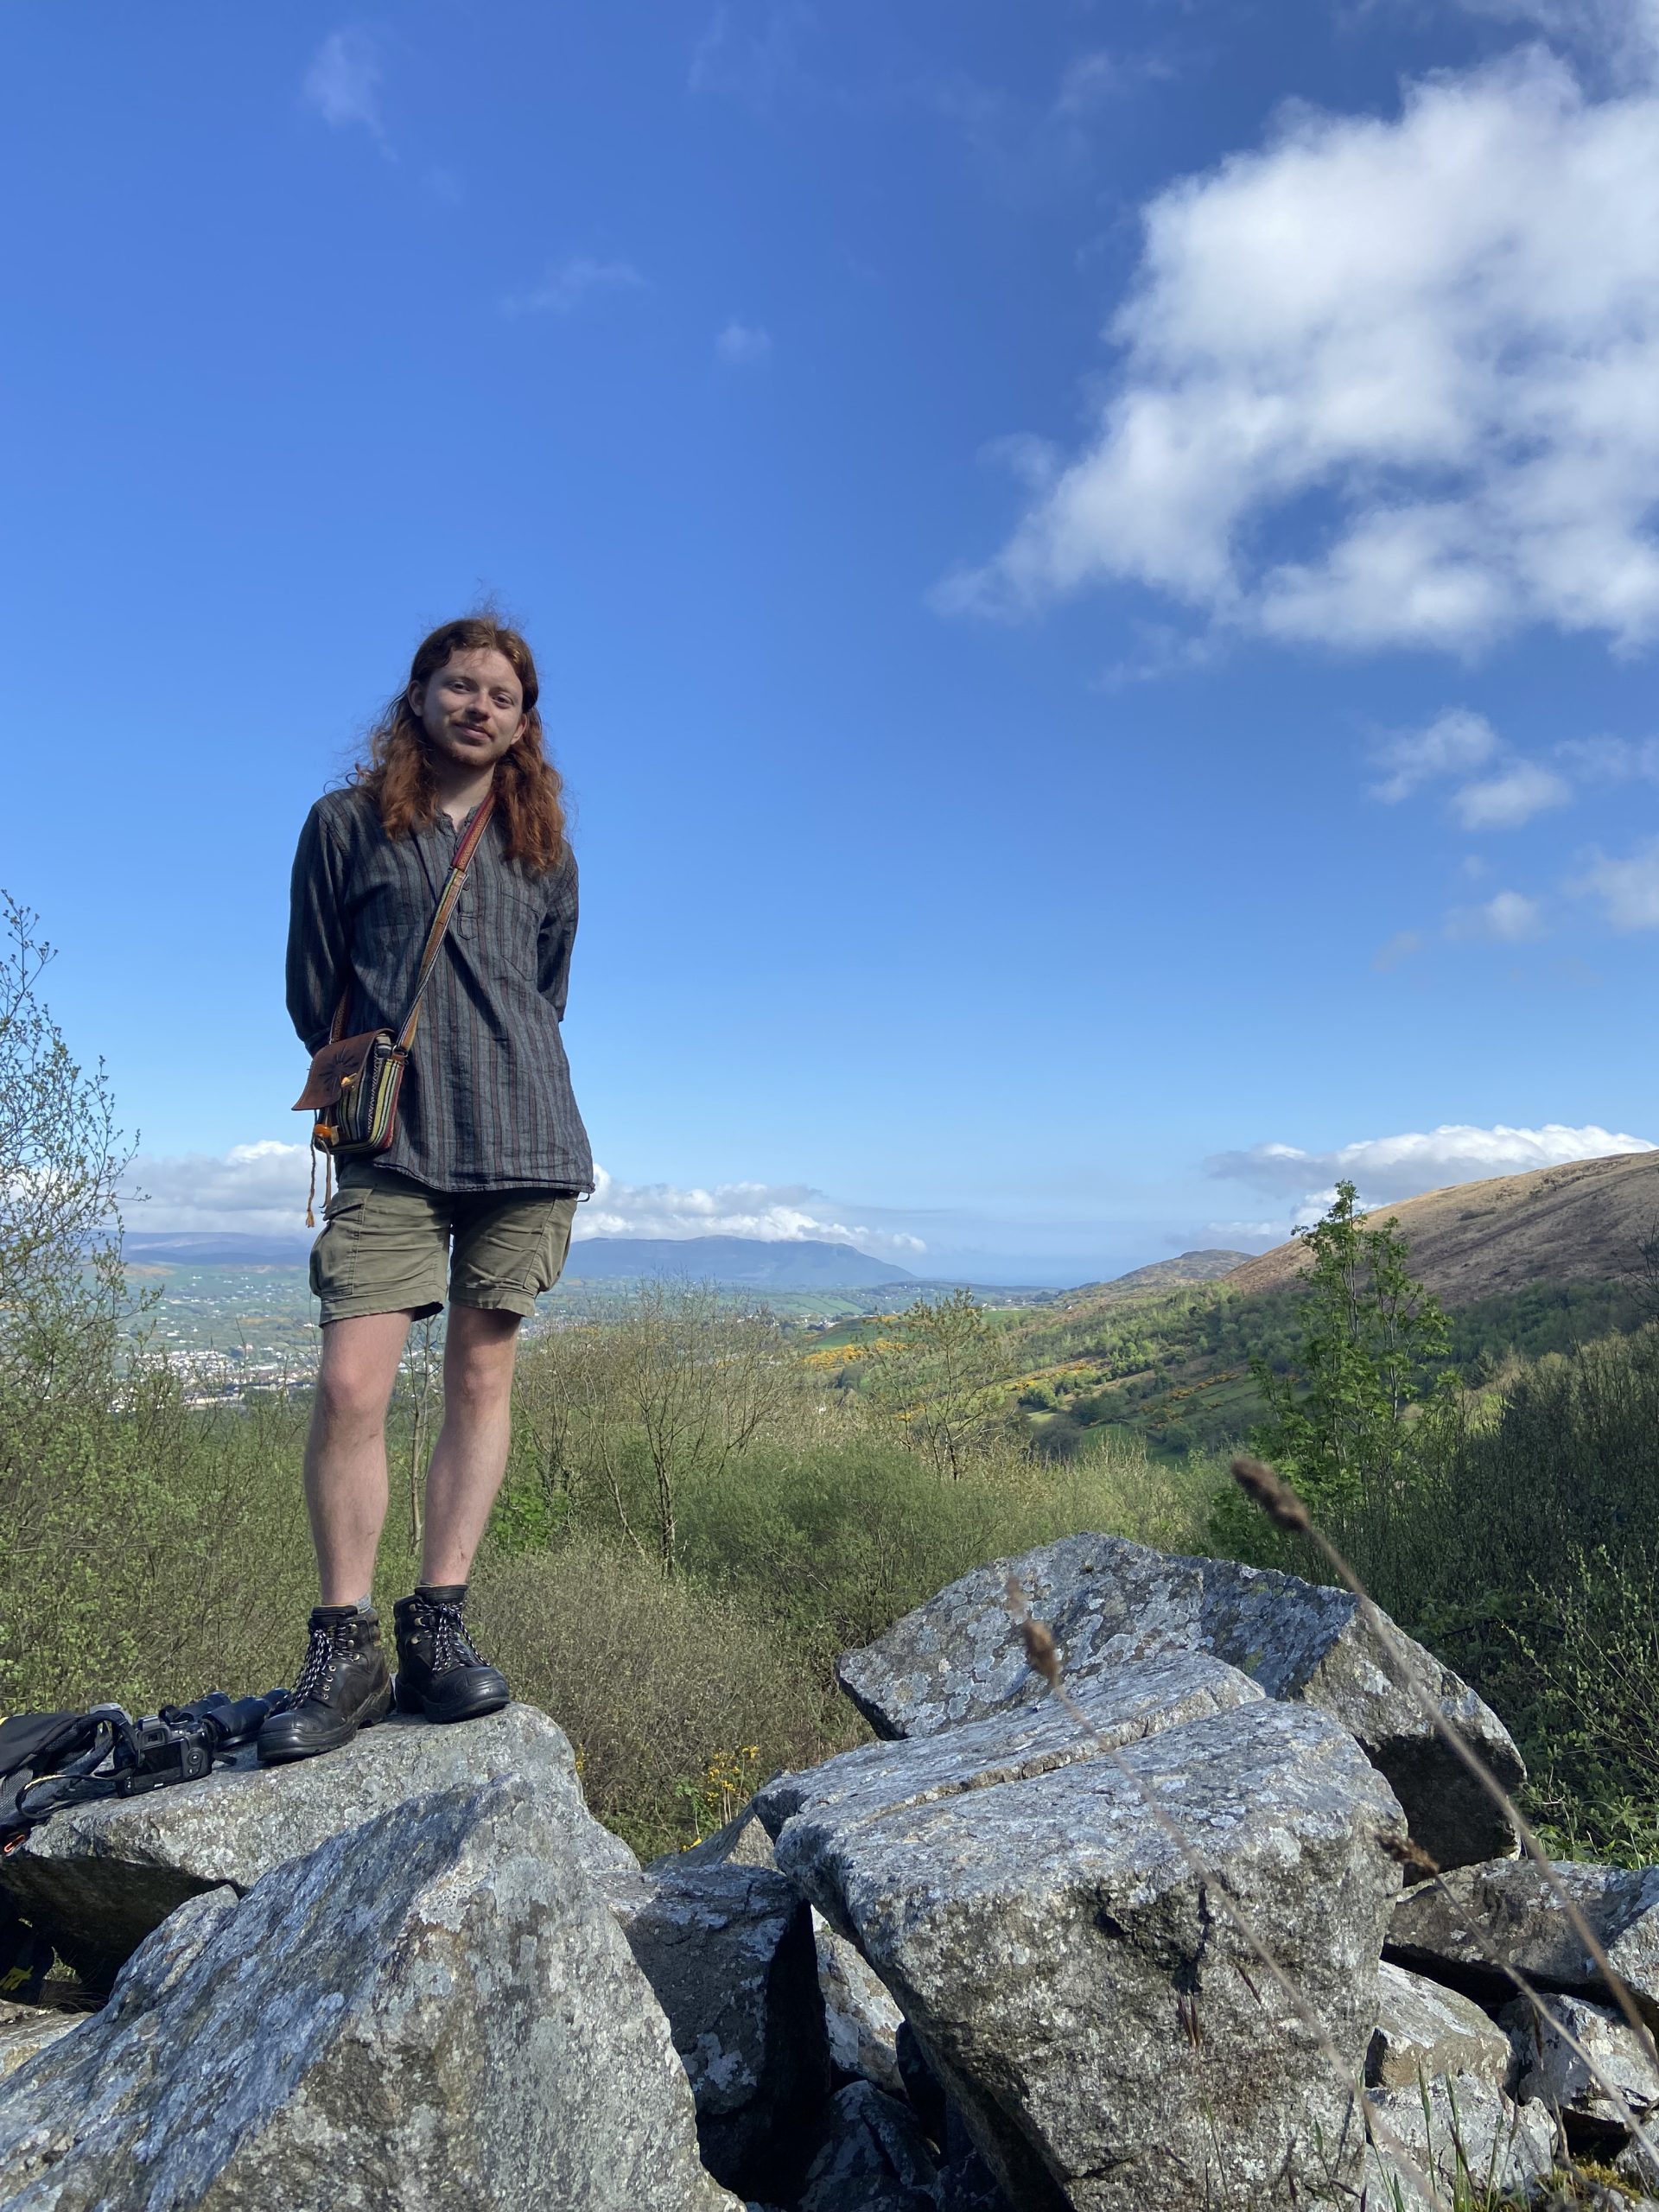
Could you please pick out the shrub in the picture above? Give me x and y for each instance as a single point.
(666, 1689)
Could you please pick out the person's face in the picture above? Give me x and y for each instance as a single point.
(473, 708)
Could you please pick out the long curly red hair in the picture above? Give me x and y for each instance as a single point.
(398, 773)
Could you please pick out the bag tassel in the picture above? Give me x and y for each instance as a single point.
(327, 1184)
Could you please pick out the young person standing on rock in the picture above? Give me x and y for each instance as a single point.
(476, 1192)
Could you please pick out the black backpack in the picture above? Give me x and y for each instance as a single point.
(38, 1749)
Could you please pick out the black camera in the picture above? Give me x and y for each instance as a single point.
(180, 1742)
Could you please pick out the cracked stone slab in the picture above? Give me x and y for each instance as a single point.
(958, 1658)
(1136, 1701)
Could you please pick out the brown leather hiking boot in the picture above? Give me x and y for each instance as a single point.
(343, 1686)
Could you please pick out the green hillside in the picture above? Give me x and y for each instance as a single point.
(1174, 1369)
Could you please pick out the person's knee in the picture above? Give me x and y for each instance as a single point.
(478, 1365)
(352, 1394)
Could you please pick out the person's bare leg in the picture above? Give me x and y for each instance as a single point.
(470, 1456)
(346, 1451)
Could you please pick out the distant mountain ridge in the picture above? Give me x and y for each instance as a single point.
(1582, 1222)
(780, 1263)
(205, 1248)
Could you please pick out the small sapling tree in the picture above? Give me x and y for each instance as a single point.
(1341, 1424)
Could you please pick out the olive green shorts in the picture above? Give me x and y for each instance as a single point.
(386, 1247)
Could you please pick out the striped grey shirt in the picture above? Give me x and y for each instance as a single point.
(487, 1103)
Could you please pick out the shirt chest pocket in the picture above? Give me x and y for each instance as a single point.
(505, 926)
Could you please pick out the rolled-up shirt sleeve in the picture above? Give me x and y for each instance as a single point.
(317, 964)
(558, 935)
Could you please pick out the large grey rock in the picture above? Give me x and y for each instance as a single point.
(958, 1658)
(1467, 1926)
(26, 2029)
(1107, 2036)
(861, 2019)
(1585, 2063)
(1423, 2030)
(1131, 1703)
(874, 2158)
(96, 1880)
(1470, 2138)
(436, 2008)
(728, 1950)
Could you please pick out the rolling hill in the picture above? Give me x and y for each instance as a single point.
(1151, 1281)
(1583, 1223)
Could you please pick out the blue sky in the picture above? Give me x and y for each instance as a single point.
(1094, 569)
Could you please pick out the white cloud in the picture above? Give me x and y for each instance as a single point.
(1613, 759)
(1400, 948)
(1390, 1168)
(750, 49)
(259, 1190)
(1093, 78)
(777, 1211)
(568, 284)
(1508, 799)
(1629, 889)
(253, 1190)
(1509, 918)
(1454, 743)
(743, 344)
(1430, 341)
(343, 83)
(1621, 36)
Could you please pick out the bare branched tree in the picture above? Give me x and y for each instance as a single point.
(675, 1385)
(939, 1373)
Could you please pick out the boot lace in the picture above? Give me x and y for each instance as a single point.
(320, 1653)
(451, 1645)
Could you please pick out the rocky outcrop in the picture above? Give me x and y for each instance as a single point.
(1093, 2014)
(437, 2008)
(1109, 1602)
(729, 1951)
(989, 1963)
(1423, 2031)
(97, 1879)
(1468, 1926)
